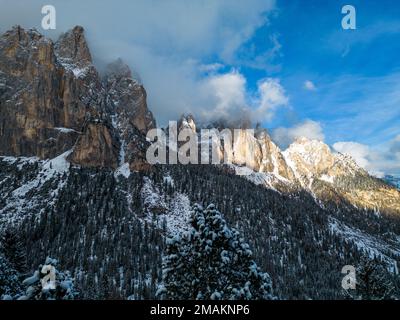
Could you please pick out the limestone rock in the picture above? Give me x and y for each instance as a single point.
(72, 47)
(52, 100)
(128, 97)
(96, 147)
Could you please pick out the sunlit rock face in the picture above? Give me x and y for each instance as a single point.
(307, 164)
(337, 177)
(53, 101)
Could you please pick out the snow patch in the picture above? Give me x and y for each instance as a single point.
(327, 178)
(65, 130)
(369, 244)
(174, 210)
(123, 170)
(28, 198)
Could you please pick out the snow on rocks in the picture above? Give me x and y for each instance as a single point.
(327, 178)
(369, 244)
(66, 130)
(173, 210)
(123, 170)
(28, 197)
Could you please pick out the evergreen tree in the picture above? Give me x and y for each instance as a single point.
(211, 261)
(373, 281)
(10, 285)
(38, 288)
(14, 250)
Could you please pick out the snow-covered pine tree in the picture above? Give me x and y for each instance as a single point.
(13, 249)
(10, 285)
(373, 281)
(211, 261)
(37, 289)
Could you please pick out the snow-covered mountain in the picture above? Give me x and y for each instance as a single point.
(75, 184)
(307, 164)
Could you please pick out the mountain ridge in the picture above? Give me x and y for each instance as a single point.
(76, 185)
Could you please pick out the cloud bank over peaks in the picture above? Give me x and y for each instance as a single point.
(309, 129)
(173, 45)
(377, 162)
(230, 100)
(359, 152)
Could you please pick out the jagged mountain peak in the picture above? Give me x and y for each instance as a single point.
(21, 35)
(118, 69)
(187, 121)
(128, 97)
(309, 144)
(62, 116)
(336, 177)
(72, 47)
(348, 161)
(308, 159)
(314, 157)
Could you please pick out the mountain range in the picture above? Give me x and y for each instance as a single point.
(75, 184)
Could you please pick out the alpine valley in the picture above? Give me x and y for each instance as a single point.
(75, 186)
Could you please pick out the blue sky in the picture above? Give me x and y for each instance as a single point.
(355, 72)
(285, 63)
(353, 75)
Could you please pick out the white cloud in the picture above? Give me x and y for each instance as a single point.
(265, 60)
(395, 146)
(271, 96)
(229, 99)
(359, 152)
(386, 160)
(309, 85)
(227, 94)
(308, 129)
(165, 42)
(211, 68)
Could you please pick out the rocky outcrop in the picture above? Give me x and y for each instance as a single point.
(127, 97)
(307, 164)
(131, 118)
(52, 99)
(273, 160)
(42, 105)
(96, 147)
(253, 149)
(72, 47)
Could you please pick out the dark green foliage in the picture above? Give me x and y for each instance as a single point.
(373, 282)
(14, 250)
(211, 261)
(96, 234)
(290, 235)
(10, 284)
(96, 226)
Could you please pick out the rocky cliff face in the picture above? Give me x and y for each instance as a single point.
(127, 97)
(31, 101)
(96, 147)
(131, 118)
(256, 150)
(52, 100)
